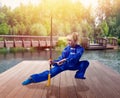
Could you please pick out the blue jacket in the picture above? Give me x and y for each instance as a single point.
(71, 54)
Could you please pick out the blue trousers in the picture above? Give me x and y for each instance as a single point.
(81, 67)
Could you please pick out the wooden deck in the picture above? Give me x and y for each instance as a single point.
(101, 82)
(100, 47)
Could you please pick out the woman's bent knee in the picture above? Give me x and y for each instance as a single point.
(85, 63)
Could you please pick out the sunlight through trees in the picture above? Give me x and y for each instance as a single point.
(68, 16)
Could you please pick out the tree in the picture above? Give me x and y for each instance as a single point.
(38, 29)
(4, 28)
(2, 17)
(105, 28)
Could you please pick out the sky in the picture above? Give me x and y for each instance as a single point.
(89, 2)
(15, 3)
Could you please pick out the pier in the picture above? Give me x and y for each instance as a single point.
(101, 82)
(100, 43)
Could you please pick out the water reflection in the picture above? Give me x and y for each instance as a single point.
(7, 60)
(108, 57)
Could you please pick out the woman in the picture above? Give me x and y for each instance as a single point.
(69, 60)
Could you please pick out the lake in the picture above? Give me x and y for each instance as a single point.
(110, 58)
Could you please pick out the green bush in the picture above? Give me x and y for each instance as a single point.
(1, 39)
(3, 50)
(17, 49)
(61, 42)
(4, 28)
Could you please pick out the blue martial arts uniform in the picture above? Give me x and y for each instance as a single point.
(72, 62)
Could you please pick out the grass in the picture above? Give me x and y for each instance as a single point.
(14, 50)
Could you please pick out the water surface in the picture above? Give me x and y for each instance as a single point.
(110, 58)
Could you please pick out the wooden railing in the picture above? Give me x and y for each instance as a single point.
(112, 40)
(102, 41)
(109, 40)
(10, 41)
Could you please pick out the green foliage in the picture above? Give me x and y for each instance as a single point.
(117, 33)
(36, 20)
(1, 39)
(19, 49)
(4, 28)
(2, 17)
(62, 42)
(67, 17)
(118, 18)
(3, 50)
(38, 29)
(105, 28)
(109, 11)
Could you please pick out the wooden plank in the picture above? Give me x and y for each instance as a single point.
(35, 43)
(91, 47)
(9, 44)
(18, 44)
(48, 93)
(21, 92)
(9, 78)
(71, 86)
(19, 73)
(104, 84)
(37, 90)
(27, 44)
(54, 43)
(48, 43)
(111, 76)
(101, 82)
(63, 86)
(55, 87)
(43, 44)
(93, 83)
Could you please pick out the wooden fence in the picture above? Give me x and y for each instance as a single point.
(10, 41)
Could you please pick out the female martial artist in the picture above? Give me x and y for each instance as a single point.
(69, 60)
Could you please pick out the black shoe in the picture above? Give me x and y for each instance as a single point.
(80, 77)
